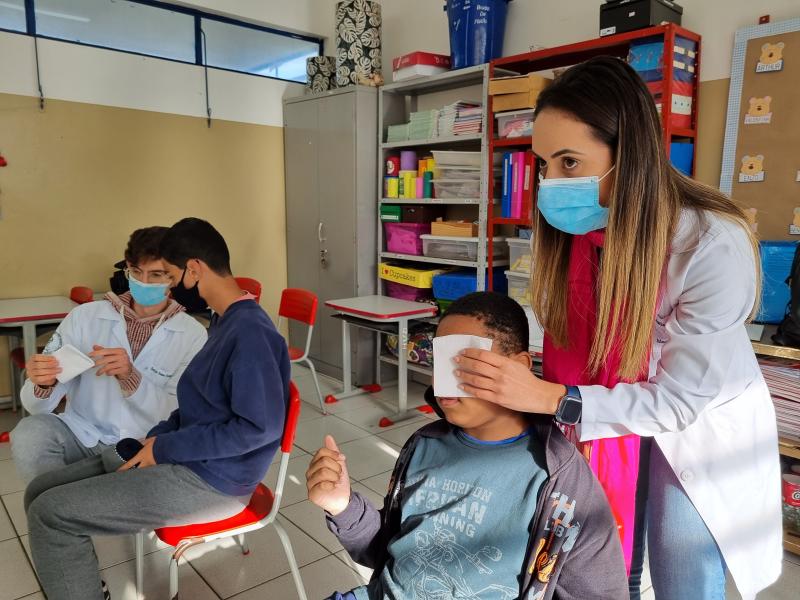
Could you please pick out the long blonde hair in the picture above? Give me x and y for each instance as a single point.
(644, 208)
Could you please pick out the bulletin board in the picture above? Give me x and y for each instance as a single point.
(761, 159)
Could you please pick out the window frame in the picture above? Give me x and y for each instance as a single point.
(198, 15)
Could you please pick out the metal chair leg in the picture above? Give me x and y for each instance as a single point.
(13, 375)
(316, 384)
(287, 547)
(173, 578)
(139, 565)
(243, 543)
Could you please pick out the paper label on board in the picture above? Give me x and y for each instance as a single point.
(759, 120)
(608, 31)
(751, 178)
(769, 67)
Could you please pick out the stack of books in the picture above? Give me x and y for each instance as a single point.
(423, 125)
(397, 133)
(458, 112)
(783, 381)
(468, 121)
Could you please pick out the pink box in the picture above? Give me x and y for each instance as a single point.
(403, 238)
(407, 292)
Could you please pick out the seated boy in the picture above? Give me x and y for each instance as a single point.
(203, 463)
(487, 503)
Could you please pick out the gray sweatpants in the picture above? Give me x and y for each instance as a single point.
(42, 443)
(67, 506)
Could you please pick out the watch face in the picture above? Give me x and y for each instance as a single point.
(569, 410)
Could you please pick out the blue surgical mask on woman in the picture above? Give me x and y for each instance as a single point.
(572, 204)
(147, 294)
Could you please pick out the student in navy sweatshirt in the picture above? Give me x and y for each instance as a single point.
(201, 464)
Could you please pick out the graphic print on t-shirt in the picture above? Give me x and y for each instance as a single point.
(438, 565)
(466, 510)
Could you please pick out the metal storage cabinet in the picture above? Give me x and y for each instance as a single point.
(330, 158)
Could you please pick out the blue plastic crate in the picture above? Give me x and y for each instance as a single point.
(451, 286)
(681, 155)
(646, 57)
(776, 264)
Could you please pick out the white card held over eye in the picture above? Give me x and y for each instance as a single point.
(445, 349)
(72, 361)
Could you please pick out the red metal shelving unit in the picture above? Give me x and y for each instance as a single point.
(571, 54)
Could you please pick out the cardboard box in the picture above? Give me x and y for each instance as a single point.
(517, 84)
(454, 228)
(419, 64)
(517, 101)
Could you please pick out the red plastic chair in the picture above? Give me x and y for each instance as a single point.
(250, 285)
(260, 512)
(301, 305)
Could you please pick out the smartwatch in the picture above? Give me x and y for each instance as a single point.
(570, 407)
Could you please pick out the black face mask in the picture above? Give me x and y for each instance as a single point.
(189, 298)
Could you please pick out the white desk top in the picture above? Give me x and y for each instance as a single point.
(41, 308)
(381, 308)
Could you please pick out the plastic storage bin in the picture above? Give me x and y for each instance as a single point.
(519, 251)
(403, 238)
(776, 264)
(459, 173)
(517, 123)
(407, 292)
(681, 155)
(462, 158)
(451, 286)
(421, 278)
(457, 248)
(457, 188)
(519, 287)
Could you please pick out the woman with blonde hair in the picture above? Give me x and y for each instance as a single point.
(643, 280)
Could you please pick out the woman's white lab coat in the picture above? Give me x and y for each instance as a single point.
(706, 403)
(96, 409)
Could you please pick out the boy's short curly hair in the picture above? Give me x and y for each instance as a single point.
(502, 316)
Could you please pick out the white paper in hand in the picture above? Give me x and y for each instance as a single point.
(72, 361)
(445, 349)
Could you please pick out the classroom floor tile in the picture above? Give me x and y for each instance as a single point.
(16, 573)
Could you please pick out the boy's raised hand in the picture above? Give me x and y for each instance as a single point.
(327, 480)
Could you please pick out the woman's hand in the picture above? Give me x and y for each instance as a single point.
(506, 382)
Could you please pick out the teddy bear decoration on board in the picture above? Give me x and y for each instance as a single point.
(752, 169)
(771, 58)
(760, 111)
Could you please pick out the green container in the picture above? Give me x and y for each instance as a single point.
(443, 305)
(391, 213)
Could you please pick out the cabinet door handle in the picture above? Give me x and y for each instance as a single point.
(319, 232)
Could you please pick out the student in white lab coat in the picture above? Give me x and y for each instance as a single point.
(141, 341)
(643, 280)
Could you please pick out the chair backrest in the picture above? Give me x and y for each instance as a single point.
(81, 294)
(289, 429)
(292, 415)
(248, 284)
(299, 305)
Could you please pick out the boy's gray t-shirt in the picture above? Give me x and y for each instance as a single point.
(467, 510)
